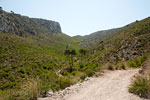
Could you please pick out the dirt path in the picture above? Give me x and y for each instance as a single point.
(113, 85)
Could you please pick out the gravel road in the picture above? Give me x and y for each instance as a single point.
(113, 85)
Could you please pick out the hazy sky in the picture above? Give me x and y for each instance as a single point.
(80, 17)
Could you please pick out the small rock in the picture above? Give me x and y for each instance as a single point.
(49, 93)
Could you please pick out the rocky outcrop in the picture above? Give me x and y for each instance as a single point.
(50, 25)
(22, 25)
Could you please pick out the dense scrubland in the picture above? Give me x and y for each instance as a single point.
(29, 69)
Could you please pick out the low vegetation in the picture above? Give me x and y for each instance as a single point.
(141, 84)
(29, 69)
(31, 65)
(137, 62)
(121, 65)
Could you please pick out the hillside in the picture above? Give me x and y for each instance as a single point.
(31, 52)
(96, 37)
(40, 31)
(131, 42)
(35, 56)
(23, 25)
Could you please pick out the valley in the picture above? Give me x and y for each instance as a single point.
(37, 57)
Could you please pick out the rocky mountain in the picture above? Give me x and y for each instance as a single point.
(23, 25)
(31, 48)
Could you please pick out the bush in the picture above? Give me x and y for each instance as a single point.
(141, 86)
(3, 74)
(137, 62)
(64, 82)
(10, 95)
(81, 66)
(7, 69)
(30, 89)
(110, 67)
(121, 65)
(98, 69)
(65, 73)
(132, 64)
(75, 73)
(55, 87)
(82, 77)
(89, 72)
(7, 85)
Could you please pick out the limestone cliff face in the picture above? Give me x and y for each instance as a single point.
(50, 25)
(22, 25)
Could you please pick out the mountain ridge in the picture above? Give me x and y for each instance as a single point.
(99, 36)
(129, 43)
(23, 25)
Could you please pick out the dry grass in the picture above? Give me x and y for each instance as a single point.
(30, 88)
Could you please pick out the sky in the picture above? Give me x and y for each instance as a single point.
(82, 17)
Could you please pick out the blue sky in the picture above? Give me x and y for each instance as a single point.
(81, 17)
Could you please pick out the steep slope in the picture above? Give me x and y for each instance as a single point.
(31, 54)
(22, 25)
(131, 42)
(42, 32)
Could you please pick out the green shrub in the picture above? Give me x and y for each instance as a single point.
(137, 62)
(65, 73)
(98, 69)
(132, 64)
(82, 77)
(9, 95)
(7, 69)
(75, 73)
(64, 82)
(120, 65)
(117, 67)
(3, 74)
(141, 86)
(7, 85)
(110, 67)
(55, 87)
(81, 66)
(143, 58)
(89, 72)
